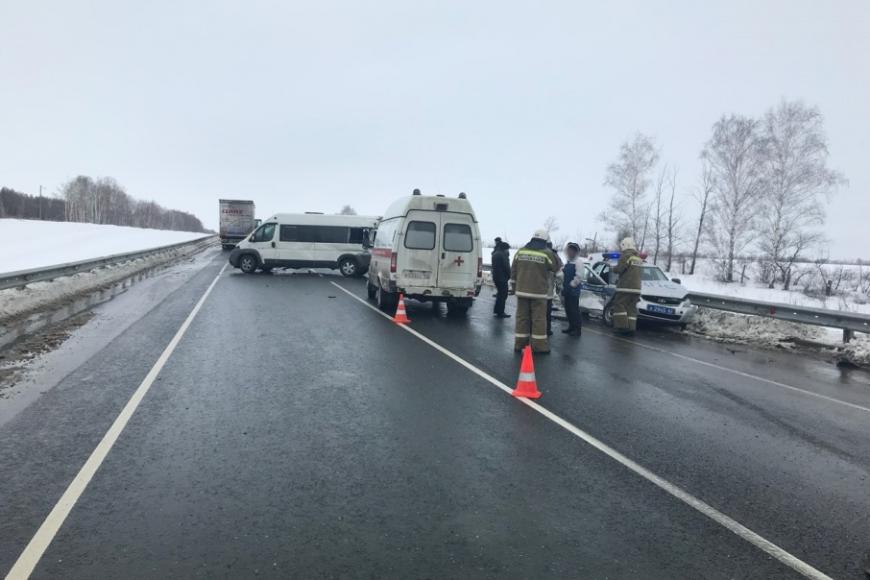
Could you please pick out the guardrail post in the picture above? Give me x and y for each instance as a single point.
(848, 334)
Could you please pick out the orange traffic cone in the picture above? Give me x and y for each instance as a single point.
(401, 316)
(527, 386)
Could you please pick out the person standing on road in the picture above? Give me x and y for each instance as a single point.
(552, 289)
(573, 273)
(501, 275)
(531, 281)
(627, 288)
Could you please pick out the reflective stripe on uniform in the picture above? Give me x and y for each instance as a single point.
(533, 255)
(620, 313)
(528, 377)
(628, 290)
(528, 295)
(539, 336)
(518, 335)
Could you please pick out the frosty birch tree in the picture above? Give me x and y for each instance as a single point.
(797, 183)
(703, 197)
(735, 154)
(672, 222)
(629, 176)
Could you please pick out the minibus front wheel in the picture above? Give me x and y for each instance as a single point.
(248, 263)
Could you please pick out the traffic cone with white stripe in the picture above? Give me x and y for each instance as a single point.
(401, 316)
(527, 385)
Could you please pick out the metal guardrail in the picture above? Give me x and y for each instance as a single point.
(850, 322)
(24, 277)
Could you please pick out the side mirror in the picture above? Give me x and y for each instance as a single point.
(676, 281)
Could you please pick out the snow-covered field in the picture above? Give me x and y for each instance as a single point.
(704, 281)
(34, 244)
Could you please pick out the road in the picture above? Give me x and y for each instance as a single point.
(295, 432)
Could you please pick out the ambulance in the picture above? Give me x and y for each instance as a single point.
(428, 248)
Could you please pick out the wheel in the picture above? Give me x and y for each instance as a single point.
(607, 315)
(387, 301)
(248, 263)
(348, 267)
(226, 247)
(459, 307)
(372, 290)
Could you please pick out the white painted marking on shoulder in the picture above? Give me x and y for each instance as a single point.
(735, 372)
(35, 549)
(704, 508)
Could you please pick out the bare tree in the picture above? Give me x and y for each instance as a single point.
(703, 197)
(735, 153)
(797, 183)
(551, 225)
(347, 210)
(657, 215)
(673, 220)
(629, 176)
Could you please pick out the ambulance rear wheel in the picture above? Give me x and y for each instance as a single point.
(387, 301)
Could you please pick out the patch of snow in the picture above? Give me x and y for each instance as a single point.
(35, 244)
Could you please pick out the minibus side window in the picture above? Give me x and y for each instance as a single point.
(457, 238)
(332, 234)
(420, 236)
(289, 234)
(356, 235)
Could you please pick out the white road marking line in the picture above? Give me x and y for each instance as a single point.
(706, 509)
(735, 371)
(37, 546)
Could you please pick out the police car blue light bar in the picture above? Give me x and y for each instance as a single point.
(611, 255)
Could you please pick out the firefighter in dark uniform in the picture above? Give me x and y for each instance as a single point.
(627, 288)
(531, 280)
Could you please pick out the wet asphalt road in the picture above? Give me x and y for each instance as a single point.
(295, 433)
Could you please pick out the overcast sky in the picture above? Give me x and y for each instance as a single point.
(306, 106)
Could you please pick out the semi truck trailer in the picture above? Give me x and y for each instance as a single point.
(236, 221)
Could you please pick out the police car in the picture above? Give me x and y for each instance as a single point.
(662, 300)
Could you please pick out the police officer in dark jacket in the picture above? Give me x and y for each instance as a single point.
(501, 274)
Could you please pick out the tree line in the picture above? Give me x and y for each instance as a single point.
(97, 201)
(762, 188)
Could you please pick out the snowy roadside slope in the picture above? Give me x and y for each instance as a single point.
(35, 244)
(753, 291)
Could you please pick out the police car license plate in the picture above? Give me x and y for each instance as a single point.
(659, 309)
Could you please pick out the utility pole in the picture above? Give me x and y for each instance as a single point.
(40, 202)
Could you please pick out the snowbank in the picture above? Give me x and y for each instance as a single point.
(34, 244)
(730, 327)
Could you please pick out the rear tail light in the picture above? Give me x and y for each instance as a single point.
(393, 259)
(479, 267)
